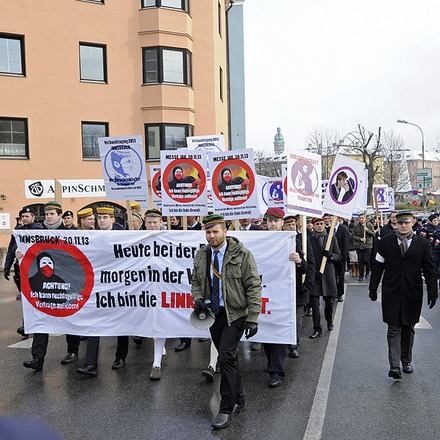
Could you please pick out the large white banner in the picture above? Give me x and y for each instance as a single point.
(123, 165)
(234, 189)
(343, 187)
(184, 190)
(303, 183)
(111, 283)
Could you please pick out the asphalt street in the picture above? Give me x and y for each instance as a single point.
(337, 389)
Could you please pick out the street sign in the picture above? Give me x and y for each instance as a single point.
(424, 178)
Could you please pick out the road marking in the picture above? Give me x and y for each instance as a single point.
(319, 407)
(423, 324)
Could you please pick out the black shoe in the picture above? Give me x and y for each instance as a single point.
(407, 367)
(21, 332)
(88, 370)
(118, 363)
(137, 340)
(221, 420)
(34, 363)
(275, 382)
(294, 353)
(70, 358)
(208, 374)
(395, 373)
(315, 335)
(361, 279)
(340, 299)
(182, 346)
(330, 327)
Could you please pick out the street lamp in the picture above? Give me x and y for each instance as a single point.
(401, 121)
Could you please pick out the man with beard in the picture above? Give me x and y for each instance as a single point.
(53, 220)
(225, 272)
(402, 259)
(27, 217)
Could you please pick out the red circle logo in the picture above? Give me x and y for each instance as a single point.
(56, 279)
(156, 184)
(184, 180)
(233, 182)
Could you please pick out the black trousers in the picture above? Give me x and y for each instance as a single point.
(400, 343)
(363, 260)
(226, 338)
(340, 277)
(328, 311)
(276, 355)
(92, 351)
(41, 340)
(122, 347)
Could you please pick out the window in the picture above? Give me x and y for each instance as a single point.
(91, 131)
(13, 138)
(165, 137)
(182, 5)
(167, 65)
(12, 54)
(93, 62)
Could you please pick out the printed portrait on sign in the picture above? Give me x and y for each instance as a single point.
(343, 186)
(304, 177)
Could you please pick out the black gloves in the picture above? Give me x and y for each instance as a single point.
(6, 273)
(373, 295)
(431, 302)
(199, 305)
(327, 254)
(250, 329)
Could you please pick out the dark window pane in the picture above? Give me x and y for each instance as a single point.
(151, 70)
(13, 137)
(175, 137)
(90, 134)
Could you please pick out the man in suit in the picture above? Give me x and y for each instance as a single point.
(247, 225)
(324, 283)
(402, 259)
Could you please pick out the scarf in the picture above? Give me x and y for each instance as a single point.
(321, 237)
(404, 240)
(54, 226)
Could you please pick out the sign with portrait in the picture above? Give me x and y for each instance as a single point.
(156, 185)
(303, 183)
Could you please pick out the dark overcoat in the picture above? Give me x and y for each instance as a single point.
(307, 267)
(325, 284)
(402, 284)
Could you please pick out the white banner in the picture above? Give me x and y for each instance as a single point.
(45, 189)
(123, 165)
(303, 183)
(184, 190)
(234, 190)
(138, 282)
(361, 199)
(344, 186)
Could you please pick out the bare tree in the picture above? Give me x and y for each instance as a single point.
(269, 166)
(324, 141)
(395, 169)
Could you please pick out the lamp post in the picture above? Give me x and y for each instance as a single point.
(401, 121)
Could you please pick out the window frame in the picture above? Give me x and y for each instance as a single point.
(186, 66)
(20, 38)
(158, 4)
(189, 131)
(26, 138)
(104, 62)
(95, 123)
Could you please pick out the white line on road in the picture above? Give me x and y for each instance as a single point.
(27, 343)
(319, 407)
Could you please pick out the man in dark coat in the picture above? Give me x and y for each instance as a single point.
(402, 258)
(390, 227)
(343, 237)
(325, 283)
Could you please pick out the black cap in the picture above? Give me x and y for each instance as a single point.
(67, 213)
(25, 210)
(432, 217)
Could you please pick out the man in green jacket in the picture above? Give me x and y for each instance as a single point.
(226, 274)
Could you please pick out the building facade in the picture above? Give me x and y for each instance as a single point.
(75, 70)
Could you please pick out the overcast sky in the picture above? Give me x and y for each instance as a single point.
(337, 63)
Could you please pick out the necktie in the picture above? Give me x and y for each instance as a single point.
(215, 291)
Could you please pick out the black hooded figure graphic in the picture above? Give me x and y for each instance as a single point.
(45, 283)
(226, 180)
(177, 177)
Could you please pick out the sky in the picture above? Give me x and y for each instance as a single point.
(339, 63)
